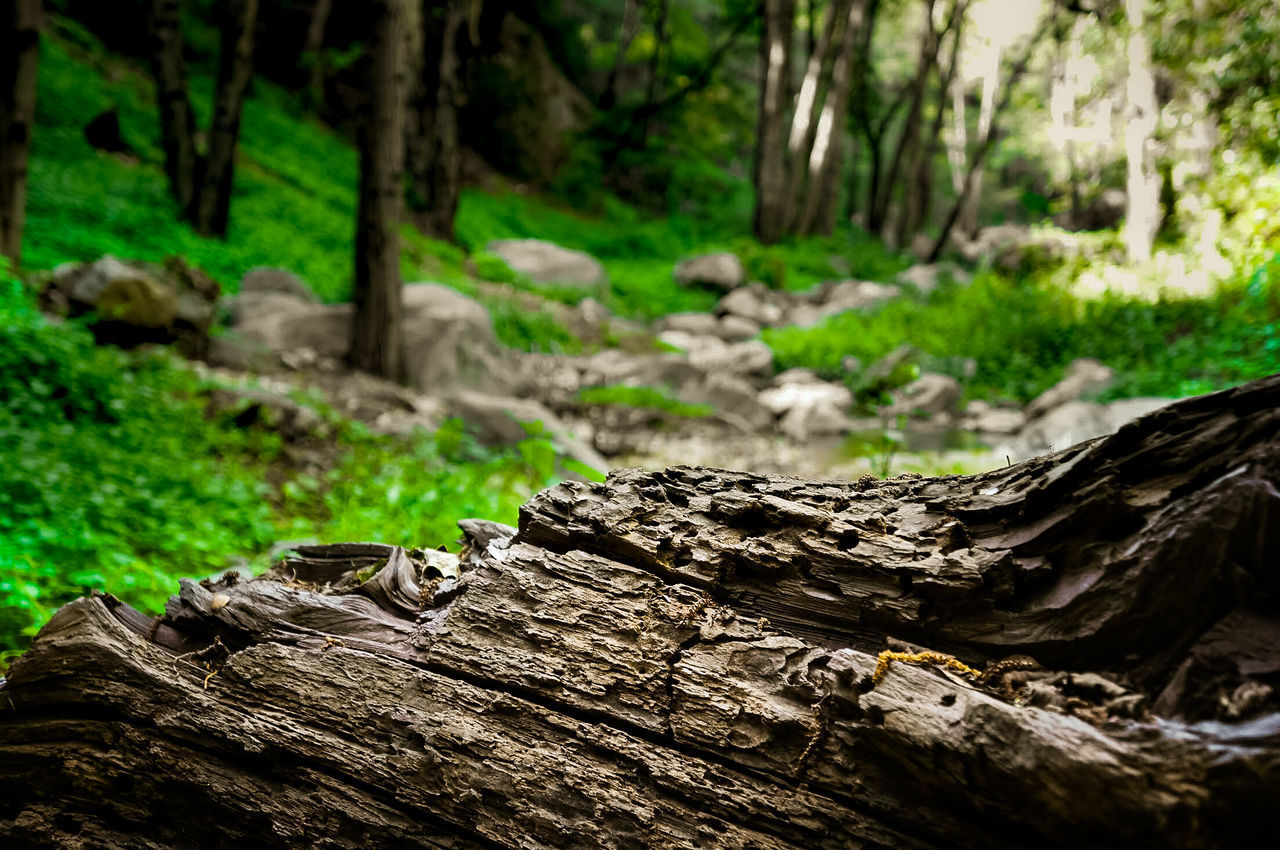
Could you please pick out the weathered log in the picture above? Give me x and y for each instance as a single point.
(701, 658)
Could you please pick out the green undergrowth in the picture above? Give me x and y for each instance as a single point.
(1010, 339)
(115, 476)
(644, 398)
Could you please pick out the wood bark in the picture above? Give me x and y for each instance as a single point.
(212, 210)
(693, 658)
(312, 45)
(377, 331)
(432, 146)
(627, 31)
(19, 56)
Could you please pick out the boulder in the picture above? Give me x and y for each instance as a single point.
(714, 271)
(137, 302)
(263, 279)
(752, 303)
(502, 419)
(547, 262)
(982, 417)
(751, 359)
(693, 324)
(1084, 375)
(450, 343)
(284, 323)
(734, 399)
(854, 295)
(1074, 421)
(926, 277)
(809, 408)
(928, 396)
(737, 328)
(612, 366)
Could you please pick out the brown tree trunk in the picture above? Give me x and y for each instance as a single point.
(19, 54)
(432, 147)
(1079, 650)
(909, 139)
(771, 163)
(312, 47)
(626, 35)
(212, 209)
(177, 122)
(377, 333)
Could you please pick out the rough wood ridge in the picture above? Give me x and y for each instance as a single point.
(1085, 652)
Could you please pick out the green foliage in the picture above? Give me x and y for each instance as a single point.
(644, 398)
(1021, 334)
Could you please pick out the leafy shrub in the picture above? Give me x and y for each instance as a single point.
(643, 398)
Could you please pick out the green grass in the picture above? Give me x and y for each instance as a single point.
(1021, 335)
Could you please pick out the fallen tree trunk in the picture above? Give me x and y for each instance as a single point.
(1080, 650)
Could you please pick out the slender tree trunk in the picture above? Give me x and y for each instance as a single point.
(19, 55)
(177, 122)
(626, 35)
(826, 160)
(775, 69)
(919, 180)
(312, 45)
(377, 333)
(432, 146)
(987, 140)
(910, 135)
(235, 68)
(804, 124)
(968, 219)
(656, 82)
(1142, 219)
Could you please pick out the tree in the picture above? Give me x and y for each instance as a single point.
(433, 151)
(202, 184)
(19, 53)
(377, 332)
(797, 168)
(1142, 216)
(1078, 650)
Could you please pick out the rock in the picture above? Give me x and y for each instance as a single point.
(693, 324)
(746, 359)
(449, 342)
(1084, 375)
(612, 366)
(283, 322)
(734, 399)
(547, 262)
(263, 279)
(1074, 421)
(995, 420)
(809, 409)
(751, 303)
(715, 271)
(737, 328)
(138, 302)
(855, 295)
(928, 396)
(925, 277)
(502, 419)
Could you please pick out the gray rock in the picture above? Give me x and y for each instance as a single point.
(449, 342)
(809, 409)
(1083, 376)
(263, 279)
(282, 323)
(995, 420)
(502, 419)
(734, 399)
(928, 396)
(926, 277)
(547, 262)
(715, 271)
(693, 324)
(752, 303)
(752, 359)
(855, 295)
(1076, 421)
(736, 328)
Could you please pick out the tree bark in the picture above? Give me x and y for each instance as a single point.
(312, 47)
(177, 121)
(212, 211)
(1142, 216)
(432, 145)
(377, 333)
(910, 136)
(626, 35)
(19, 56)
(771, 163)
(697, 658)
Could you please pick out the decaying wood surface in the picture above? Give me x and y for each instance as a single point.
(1088, 652)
